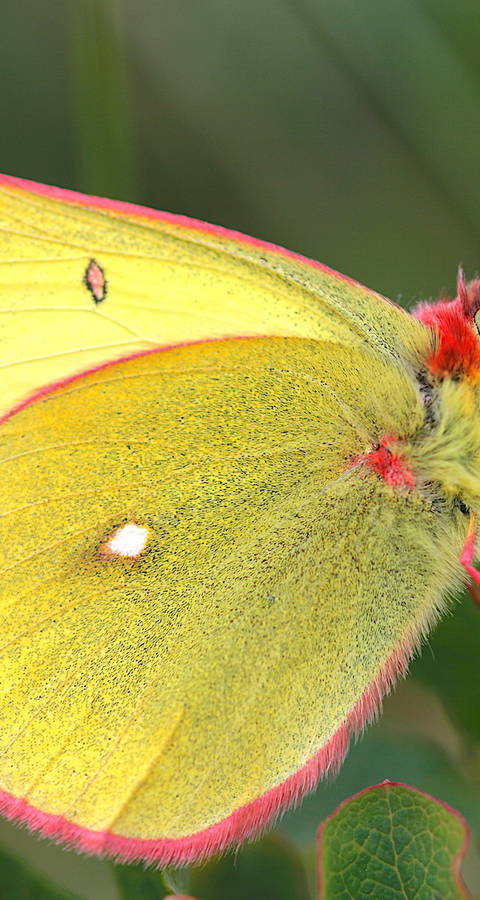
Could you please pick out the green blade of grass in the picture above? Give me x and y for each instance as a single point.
(100, 100)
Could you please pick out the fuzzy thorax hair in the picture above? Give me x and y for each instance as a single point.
(450, 452)
(456, 345)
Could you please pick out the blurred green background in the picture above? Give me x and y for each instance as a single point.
(348, 130)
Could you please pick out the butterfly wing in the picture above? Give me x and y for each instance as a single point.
(164, 704)
(85, 280)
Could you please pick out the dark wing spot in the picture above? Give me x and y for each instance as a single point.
(94, 279)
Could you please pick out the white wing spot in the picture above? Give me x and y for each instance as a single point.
(128, 540)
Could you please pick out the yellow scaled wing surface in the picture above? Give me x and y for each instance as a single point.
(202, 591)
(167, 282)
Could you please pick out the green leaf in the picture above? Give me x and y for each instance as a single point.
(270, 869)
(134, 881)
(176, 880)
(394, 756)
(394, 842)
(19, 882)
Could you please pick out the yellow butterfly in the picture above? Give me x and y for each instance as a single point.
(236, 489)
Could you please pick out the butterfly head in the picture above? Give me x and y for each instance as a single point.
(455, 325)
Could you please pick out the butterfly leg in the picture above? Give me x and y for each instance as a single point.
(466, 558)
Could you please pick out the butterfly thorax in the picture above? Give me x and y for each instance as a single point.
(447, 451)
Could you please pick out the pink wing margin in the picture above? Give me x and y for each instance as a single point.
(145, 212)
(252, 818)
(246, 821)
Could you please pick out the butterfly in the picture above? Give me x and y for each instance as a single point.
(237, 489)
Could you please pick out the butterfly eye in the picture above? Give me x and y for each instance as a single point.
(130, 540)
(476, 319)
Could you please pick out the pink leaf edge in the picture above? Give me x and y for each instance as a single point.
(244, 822)
(457, 859)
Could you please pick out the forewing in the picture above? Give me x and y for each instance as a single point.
(166, 280)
